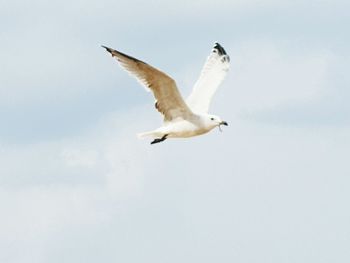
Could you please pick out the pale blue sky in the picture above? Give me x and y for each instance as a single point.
(76, 185)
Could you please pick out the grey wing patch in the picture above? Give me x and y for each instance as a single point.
(158, 107)
(169, 101)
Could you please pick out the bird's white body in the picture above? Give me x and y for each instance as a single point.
(181, 119)
(182, 128)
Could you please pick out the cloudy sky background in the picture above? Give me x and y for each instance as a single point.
(76, 185)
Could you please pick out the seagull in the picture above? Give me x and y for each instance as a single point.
(182, 119)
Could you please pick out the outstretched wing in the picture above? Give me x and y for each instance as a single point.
(213, 73)
(168, 99)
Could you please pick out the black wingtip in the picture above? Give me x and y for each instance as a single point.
(108, 49)
(219, 48)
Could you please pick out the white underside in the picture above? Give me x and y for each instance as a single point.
(178, 129)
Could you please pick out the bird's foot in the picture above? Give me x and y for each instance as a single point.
(159, 139)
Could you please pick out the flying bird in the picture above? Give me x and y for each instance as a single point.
(182, 118)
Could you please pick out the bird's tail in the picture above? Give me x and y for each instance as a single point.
(143, 135)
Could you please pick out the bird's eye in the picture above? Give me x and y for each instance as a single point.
(212, 119)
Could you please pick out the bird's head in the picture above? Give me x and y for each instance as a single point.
(214, 121)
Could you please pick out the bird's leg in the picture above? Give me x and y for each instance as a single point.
(160, 139)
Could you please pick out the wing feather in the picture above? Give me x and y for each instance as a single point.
(212, 75)
(168, 98)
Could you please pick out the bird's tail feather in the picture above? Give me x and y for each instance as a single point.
(143, 135)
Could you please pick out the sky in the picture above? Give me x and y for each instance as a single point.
(76, 185)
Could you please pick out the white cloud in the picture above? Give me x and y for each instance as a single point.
(100, 194)
(170, 192)
(34, 216)
(78, 157)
